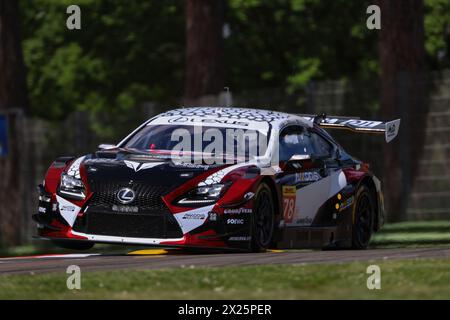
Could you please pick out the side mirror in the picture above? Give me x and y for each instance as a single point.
(105, 146)
(299, 161)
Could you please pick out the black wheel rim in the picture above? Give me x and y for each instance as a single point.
(264, 219)
(364, 220)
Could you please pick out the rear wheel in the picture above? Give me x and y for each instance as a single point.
(73, 244)
(263, 221)
(363, 218)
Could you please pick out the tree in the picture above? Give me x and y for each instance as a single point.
(403, 94)
(204, 51)
(12, 76)
(130, 53)
(13, 95)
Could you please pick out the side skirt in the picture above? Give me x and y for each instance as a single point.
(315, 237)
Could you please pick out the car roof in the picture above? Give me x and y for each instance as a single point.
(256, 118)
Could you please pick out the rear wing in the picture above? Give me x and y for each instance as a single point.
(389, 129)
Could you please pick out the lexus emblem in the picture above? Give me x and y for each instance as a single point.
(126, 195)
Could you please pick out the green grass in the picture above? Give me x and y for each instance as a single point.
(413, 234)
(46, 247)
(403, 234)
(408, 279)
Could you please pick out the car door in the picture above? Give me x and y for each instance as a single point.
(310, 174)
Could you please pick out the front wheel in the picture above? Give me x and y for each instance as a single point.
(363, 218)
(263, 221)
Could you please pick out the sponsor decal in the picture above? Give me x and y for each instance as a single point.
(307, 176)
(42, 210)
(235, 221)
(191, 165)
(361, 123)
(68, 210)
(304, 221)
(208, 120)
(248, 238)
(200, 216)
(213, 216)
(238, 211)
(126, 209)
(392, 128)
(248, 195)
(289, 196)
(352, 122)
(190, 224)
(346, 203)
(186, 175)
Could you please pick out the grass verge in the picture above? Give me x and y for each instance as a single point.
(413, 234)
(408, 279)
(402, 234)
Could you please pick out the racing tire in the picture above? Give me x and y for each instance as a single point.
(364, 214)
(263, 219)
(73, 244)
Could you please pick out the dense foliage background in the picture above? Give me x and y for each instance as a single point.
(130, 52)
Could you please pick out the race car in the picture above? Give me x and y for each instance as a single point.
(218, 178)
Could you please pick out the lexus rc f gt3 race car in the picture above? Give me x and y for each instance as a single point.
(242, 179)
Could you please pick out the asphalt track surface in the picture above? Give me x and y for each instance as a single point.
(160, 259)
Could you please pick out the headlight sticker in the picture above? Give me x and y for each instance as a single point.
(74, 170)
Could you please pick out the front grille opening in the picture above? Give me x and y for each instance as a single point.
(153, 219)
(129, 225)
(148, 197)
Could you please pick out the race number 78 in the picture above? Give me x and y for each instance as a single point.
(288, 203)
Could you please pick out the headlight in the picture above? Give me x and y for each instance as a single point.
(72, 187)
(203, 195)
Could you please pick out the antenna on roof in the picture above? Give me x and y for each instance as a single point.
(320, 118)
(228, 98)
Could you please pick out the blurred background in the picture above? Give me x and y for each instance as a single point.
(63, 92)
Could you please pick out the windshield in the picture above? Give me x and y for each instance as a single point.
(214, 141)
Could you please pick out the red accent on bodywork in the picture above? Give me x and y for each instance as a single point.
(52, 178)
(353, 175)
(64, 233)
(234, 194)
(239, 187)
(197, 240)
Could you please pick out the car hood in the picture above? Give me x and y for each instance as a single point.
(125, 166)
